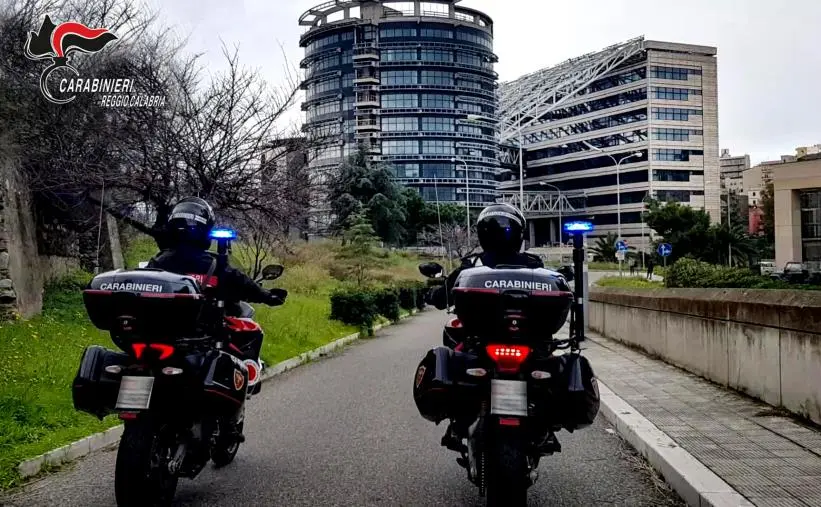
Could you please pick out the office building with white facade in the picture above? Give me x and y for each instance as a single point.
(648, 106)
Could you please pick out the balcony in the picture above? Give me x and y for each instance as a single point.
(367, 100)
(366, 79)
(366, 53)
(367, 124)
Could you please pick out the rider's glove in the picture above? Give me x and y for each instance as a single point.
(276, 297)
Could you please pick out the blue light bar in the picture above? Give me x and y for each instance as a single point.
(222, 234)
(578, 226)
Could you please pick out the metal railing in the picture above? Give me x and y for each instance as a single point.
(546, 204)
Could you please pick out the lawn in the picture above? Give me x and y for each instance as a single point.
(39, 357)
(629, 282)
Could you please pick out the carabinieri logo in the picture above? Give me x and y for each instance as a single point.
(58, 42)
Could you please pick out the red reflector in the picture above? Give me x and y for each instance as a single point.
(253, 373)
(553, 293)
(476, 290)
(138, 349)
(509, 421)
(508, 357)
(455, 323)
(128, 416)
(164, 350)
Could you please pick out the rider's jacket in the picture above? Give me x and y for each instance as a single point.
(232, 285)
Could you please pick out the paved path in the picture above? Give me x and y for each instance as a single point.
(345, 431)
(770, 459)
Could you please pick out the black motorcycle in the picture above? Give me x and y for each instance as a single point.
(188, 365)
(499, 372)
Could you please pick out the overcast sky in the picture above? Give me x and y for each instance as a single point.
(769, 52)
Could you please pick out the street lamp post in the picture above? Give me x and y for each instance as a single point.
(546, 184)
(618, 183)
(467, 196)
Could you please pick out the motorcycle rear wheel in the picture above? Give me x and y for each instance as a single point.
(507, 479)
(141, 476)
(226, 448)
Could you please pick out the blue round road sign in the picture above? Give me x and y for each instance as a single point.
(665, 249)
(621, 245)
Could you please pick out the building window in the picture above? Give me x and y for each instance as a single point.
(436, 55)
(437, 124)
(470, 107)
(665, 93)
(437, 147)
(400, 147)
(673, 155)
(434, 193)
(437, 101)
(347, 80)
(324, 108)
(437, 77)
(437, 171)
(469, 59)
(325, 63)
(406, 170)
(675, 134)
(475, 38)
(398, 100)
(673, 195)
(674, 114)
(670, 175)
(676, 73)
(387, 33)
(436, 33)
(347, 57)
(323, 86)
(471, 129)
(347, 103)
(347, 36)
(400, 124)
(398, 55)
(398, 77)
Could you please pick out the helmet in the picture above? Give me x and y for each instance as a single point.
(501, 229)
(191, 222)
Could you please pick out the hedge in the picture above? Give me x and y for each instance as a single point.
(697, 274)
(362, 306)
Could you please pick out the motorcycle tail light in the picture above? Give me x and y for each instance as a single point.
(138, 348)
(455, 323)
(165, 350)
(508, 358)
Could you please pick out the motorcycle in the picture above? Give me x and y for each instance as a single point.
(500, 369)
(188, 364)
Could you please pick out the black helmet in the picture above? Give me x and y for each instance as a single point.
(501, 229)
(191, 222)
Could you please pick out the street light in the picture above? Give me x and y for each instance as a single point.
(618, 181)
(467, 196)
(559, 190)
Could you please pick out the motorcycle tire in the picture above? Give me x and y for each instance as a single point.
(141, 476)
(225, 449)
(507, 480)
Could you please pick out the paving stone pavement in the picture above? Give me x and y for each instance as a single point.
(771, 459)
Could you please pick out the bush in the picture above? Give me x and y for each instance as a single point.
(688, 272)
(410, 293)
(387, 303)
(354, 307)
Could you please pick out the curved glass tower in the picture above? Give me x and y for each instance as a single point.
(411, 82)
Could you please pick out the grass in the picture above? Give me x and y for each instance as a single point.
(39, 357)
(629, 282)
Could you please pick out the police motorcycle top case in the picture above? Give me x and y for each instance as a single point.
(144, 302)
(488, 301)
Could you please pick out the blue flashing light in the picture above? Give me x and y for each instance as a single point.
(223, 234)
(578, 226)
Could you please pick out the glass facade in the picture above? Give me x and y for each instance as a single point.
(811, 227)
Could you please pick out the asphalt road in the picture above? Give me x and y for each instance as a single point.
(345, 431)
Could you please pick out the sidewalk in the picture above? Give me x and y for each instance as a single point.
(770, 459)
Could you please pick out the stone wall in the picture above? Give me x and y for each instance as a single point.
(765, 343)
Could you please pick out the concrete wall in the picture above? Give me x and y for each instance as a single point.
(765, 343)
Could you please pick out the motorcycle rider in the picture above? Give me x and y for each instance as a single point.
(500, 228)
(186, 243)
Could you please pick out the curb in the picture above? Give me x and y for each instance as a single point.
(692, 480)
(110, 437)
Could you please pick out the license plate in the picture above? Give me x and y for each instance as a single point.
(508, 397)
(135, 393)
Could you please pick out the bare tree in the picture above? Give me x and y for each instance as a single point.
(452, 237)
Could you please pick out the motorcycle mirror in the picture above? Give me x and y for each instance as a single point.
(272, 271)
(567, 272)
(430, 269)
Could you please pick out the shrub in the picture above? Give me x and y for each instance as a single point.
(411, 294)
(688, 272)
(387, 303)
(355, 307)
